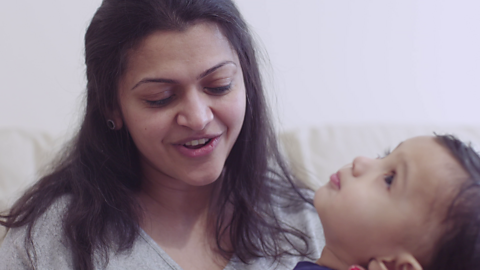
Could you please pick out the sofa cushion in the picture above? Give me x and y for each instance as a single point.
(23, 157)
(315, 153)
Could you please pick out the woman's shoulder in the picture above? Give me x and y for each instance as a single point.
(48, 225)
(47, 246)
(52, 219)
(51, 249)
(304, 218)
(301, 215)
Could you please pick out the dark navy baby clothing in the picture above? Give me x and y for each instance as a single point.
(310, 266)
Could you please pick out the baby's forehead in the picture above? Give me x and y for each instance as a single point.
(426, 153)
(434, 175)
(421, 143)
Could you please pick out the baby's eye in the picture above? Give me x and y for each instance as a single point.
(388, 178)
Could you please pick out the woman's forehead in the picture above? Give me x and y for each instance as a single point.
(173, 54)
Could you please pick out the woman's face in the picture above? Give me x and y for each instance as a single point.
(182, 99)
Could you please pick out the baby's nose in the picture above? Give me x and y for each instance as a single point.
(360, 165)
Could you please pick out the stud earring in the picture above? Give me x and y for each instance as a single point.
(110, 124)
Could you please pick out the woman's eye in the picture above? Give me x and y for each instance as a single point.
(160, 102)
(219, 90)
(388, 178)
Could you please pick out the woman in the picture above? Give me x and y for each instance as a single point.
(175, 165)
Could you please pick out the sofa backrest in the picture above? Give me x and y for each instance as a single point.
(24, 155)
(314, 153)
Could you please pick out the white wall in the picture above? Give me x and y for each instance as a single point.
(330, 61)
(372, 61)
(41, 62)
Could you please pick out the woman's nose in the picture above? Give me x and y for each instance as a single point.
(195, 112)
(361, 165)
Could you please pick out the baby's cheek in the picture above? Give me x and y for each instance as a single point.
(316, 198)
(322, 200)
(351, 209)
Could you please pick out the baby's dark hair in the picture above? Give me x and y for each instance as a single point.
(459, 247)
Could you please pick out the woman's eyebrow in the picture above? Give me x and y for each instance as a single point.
(211, 70)
(154, 80)
(170, 81)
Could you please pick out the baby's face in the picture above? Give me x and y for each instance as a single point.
(375, 207)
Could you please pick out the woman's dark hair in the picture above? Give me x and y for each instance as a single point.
(459, 247)
(100, 172)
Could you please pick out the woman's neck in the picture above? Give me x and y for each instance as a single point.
(182, 222)
(331, 260)
(161, 200)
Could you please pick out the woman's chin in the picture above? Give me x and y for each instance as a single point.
(202, 180)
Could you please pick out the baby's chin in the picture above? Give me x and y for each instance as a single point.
(337, 257)
(318, 198)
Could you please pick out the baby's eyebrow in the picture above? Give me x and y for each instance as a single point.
(404, 166)
(385, 153)
(398, 145)
(388, 151)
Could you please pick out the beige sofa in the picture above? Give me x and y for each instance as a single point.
(317, 152)
(24, 155)
(313, 152)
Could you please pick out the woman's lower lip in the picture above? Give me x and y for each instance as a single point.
(335, 180)
(200, 152)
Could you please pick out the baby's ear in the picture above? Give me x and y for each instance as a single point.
(403, 261)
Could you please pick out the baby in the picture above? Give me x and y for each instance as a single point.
(416, 208)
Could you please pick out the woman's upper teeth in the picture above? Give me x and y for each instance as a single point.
(196, 142)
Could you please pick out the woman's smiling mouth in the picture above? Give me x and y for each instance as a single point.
(196, 144)
(194, 148)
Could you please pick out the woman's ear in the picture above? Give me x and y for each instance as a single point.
(403, 261)
(116, 117)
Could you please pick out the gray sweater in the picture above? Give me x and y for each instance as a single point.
(52, 252)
